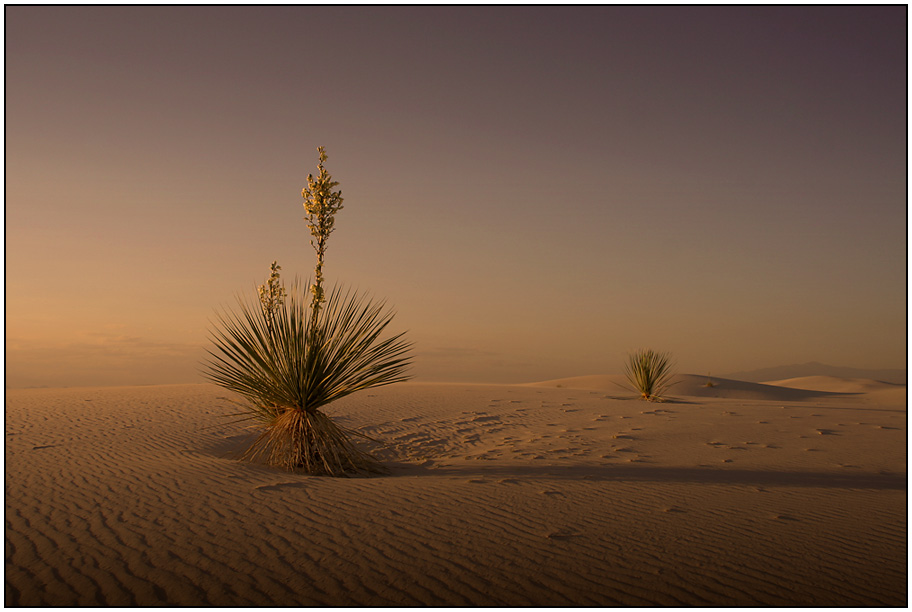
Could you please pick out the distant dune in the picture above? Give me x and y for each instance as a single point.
(690, 385)
(836, 384)
(814, 368)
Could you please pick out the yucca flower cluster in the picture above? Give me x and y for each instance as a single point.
(321, 204)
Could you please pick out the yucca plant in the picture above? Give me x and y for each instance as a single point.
(292, 354)
(649, 373)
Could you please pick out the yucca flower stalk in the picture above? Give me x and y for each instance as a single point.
(271, 295)
(292, 354)
(649, 373)
(321, 204)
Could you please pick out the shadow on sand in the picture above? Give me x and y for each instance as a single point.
(233, 447)
(672, 475)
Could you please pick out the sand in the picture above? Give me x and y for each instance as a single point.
(565, 492)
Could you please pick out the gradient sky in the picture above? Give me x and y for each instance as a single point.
(537, 190)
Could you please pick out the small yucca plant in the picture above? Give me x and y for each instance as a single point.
(292, 354)
(649, 373)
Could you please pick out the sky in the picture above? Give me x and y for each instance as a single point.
(536, 191)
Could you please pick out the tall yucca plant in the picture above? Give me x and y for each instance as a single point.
(649, 373)
(289, 356)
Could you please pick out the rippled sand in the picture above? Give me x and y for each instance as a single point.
(562, 493)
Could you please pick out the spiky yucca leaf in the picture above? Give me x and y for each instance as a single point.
(649, 372)
(288, 366)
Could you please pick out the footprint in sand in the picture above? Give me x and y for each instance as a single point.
(485, 419)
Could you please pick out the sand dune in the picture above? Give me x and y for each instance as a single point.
(869, 391)
(692, 385)
(836, 384)
(522, 495)
(814, 368)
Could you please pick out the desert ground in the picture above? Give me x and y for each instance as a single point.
(566, 492)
